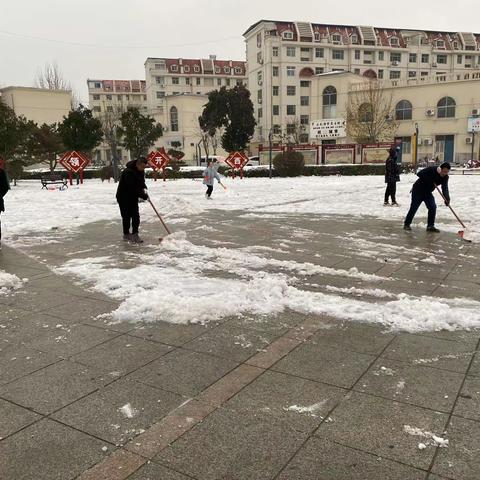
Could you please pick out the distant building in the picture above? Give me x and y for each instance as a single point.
(38, 104)
(113, 97)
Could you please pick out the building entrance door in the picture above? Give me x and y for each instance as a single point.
(444, 148)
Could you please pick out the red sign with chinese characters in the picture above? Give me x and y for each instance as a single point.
(158, 160)
(236, 160)
(74, 161)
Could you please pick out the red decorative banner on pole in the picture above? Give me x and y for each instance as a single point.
(158, 160)
(74, 162)
(237, 160)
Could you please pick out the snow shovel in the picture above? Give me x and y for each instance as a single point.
(161, 220)
(461, 233)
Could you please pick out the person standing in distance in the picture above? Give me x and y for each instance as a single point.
(392, 176)
(209, 176)
(4, 188)
(428, 179)
(131, 188)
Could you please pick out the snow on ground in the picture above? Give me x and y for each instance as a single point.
(9, 282)
(29, 209)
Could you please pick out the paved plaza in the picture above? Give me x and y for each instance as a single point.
(285, 396)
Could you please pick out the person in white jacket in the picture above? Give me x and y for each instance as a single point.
(209, 176)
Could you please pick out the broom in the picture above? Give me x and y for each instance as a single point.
(461, 233)
(161, 220)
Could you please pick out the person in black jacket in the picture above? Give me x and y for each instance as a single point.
(130, 188)
(428, 179)
(392, 176)
(4, 188)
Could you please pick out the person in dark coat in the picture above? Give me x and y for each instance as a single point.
(428, 179)
(392, 176)
(130, 189)
(4, 188)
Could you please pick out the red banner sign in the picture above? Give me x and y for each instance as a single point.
(74, 162)
(158, 160)
(236, 160)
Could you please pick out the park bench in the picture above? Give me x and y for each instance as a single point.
(53, 180)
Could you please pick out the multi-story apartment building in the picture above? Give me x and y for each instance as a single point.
(283, 57)
(111, 97)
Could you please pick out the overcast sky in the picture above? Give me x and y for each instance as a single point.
(110, 39)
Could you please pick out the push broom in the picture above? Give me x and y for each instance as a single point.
(461, 233)
(161, 220)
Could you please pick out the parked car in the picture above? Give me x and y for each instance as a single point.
(253, 161)
(216, 158)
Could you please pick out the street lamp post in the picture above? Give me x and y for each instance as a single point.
(416, 144)
(270, 147)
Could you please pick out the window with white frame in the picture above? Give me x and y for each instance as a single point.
(276, 110)
(394, 74)
(218, 70)
(259, 57)
(238, 70)
(275, 51)
(290, 71)
(291, 90)
(395, 57)
(174, 68)
(259, 78)
(186, 69)
(96, 97)
(275, 90)
(381, 56)
(291, 51)
(394, 42)
(287, 35)
(291, 109)
(319, 70)
(199, 81)
(196, 68)
(319, 53)
(275, 71)
(160, 94)
(304, 101)
(336, 38)
(174, 119)
(187, 81)
(226, 69)
(338, 54)
(357, 54)
(175, 81)
(354, 38)
(442, 59)
(440, 43)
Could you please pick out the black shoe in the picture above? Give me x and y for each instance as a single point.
(407, 227)
(433, 229)
(134, 238)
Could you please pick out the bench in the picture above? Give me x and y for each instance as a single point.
(53, 180)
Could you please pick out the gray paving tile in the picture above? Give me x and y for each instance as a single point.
(53, 387)
(324, 364)
(233, 343)
(48, 451)
(475, 367)
(377, 426)
(300, 403)
(122, 355)
(152, 471)
(100, 413)
(79, 310)
(461, 460)
(184, 371)
(415, 384)
(233, 445)
(320, 459)
(276, 324)
(438, 353)
(36, 300)
(14, 418)
(468, 403)
(470, 337)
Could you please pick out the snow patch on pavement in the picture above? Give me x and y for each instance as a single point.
(9, 283)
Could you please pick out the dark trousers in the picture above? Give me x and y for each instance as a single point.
(130, 214)
(209, 190)
(417, 199)
(391, 191)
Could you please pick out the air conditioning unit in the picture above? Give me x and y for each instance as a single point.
(260, 82)
(469, 140)
(476, 112)
(430, 113)
(395, 64)
(428, 141)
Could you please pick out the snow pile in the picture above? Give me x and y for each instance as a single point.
(435, 440)
(9, 283)
(311, 410)
(128, 411)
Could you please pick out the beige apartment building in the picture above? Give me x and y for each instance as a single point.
(440, 106)
(283, 57)
(112, 97)
(38, 104)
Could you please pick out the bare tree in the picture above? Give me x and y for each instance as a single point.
(371, 114)
(51, 77)
(111, 120)
(292, 134)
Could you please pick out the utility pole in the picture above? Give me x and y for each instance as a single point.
(270, 146)
(115, 155)
(473, 145)
(415, 160)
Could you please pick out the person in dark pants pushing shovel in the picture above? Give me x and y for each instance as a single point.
(428, 179)
(130, 189)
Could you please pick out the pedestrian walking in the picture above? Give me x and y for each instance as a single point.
(428, 179)
(209, 176)
(392, 176)
(131, 188)
(4, 188)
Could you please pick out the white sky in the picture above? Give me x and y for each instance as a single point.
(121, 34)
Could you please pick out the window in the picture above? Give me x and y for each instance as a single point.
(317, 37)
(109, 108)
(412, 74)
(276, 109)
(259, 96)
(174, 119)
(291, 51)
(394, 74)
(336, 38)
(196, 68)
(239, 82)
(303, 138)
(319, 70)
(380, 74)
(356, 71)
(338, 54)
(127, 97)
(440, 43)
(403, 110)
(174, 68)
(259, 57)
(238, 70)
(291, 109)
(425, 57)
(304, 101)
(145, 98)
(227, 81)
(365, 113)
(446, 108)
(329, 98)
(424, 74)
(97, 85)
(287, 35)
(275, 71)
(319, 52)
(187, 81)
(109, 97)
(96, 97)
(160, 94)
(218, 70)
(260, 113)
(175, 81)
(160, 80)
(455, 45)
(275, 91)
(304, 83)
(275, 51)
(97, 109)
(199, 81)
(305, 54)
(395, 57)
(357, 54)
(412, 58)
(290, 71)
(354, 38)
(381, 56)
(277, 130)
(442, 59)
(226, 69)
(219, 81)
(291, 90)
(259, 40)
(304, 119)
(394, 42)
(186, 69)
